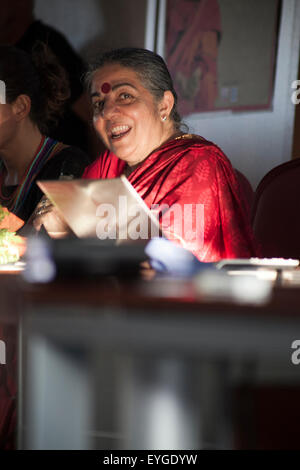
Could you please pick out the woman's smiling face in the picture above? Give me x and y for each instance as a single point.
(126, 115)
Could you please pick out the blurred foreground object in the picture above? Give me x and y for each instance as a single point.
(9, 221)
(12, 246)
(72, 258)
(219, 285)
(168, 258)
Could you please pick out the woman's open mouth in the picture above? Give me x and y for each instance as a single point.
(118, 132)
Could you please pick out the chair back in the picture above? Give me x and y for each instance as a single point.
(276, 220)
(246, 190)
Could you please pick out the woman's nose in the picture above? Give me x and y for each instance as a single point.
(109, 109)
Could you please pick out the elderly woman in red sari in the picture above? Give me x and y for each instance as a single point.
(135, 114)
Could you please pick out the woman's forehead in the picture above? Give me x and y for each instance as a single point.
(110, 75)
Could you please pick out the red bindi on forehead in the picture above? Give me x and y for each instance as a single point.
(106, 87)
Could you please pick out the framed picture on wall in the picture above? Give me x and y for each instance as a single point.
(221, 53)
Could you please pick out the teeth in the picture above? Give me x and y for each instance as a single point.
(119, 129)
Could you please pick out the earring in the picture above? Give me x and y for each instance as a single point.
(164, 118)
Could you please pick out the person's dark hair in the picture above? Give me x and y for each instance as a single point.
(149, 66)
(38, 76)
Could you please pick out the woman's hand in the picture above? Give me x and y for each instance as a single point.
(47, 216)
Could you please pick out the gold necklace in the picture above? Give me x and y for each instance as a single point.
(184, 136)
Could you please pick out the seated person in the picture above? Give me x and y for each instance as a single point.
(36, 89)
(135, 114)
(20, 28)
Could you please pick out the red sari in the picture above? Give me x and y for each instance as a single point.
(190, 172)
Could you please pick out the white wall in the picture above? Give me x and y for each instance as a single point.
(255, 142)
(79, 20)
(96, 25)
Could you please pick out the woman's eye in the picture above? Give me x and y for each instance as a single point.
(125, 96)
(98, 106)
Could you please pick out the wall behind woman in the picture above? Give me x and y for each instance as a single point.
(96, 25)
(255, 142)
